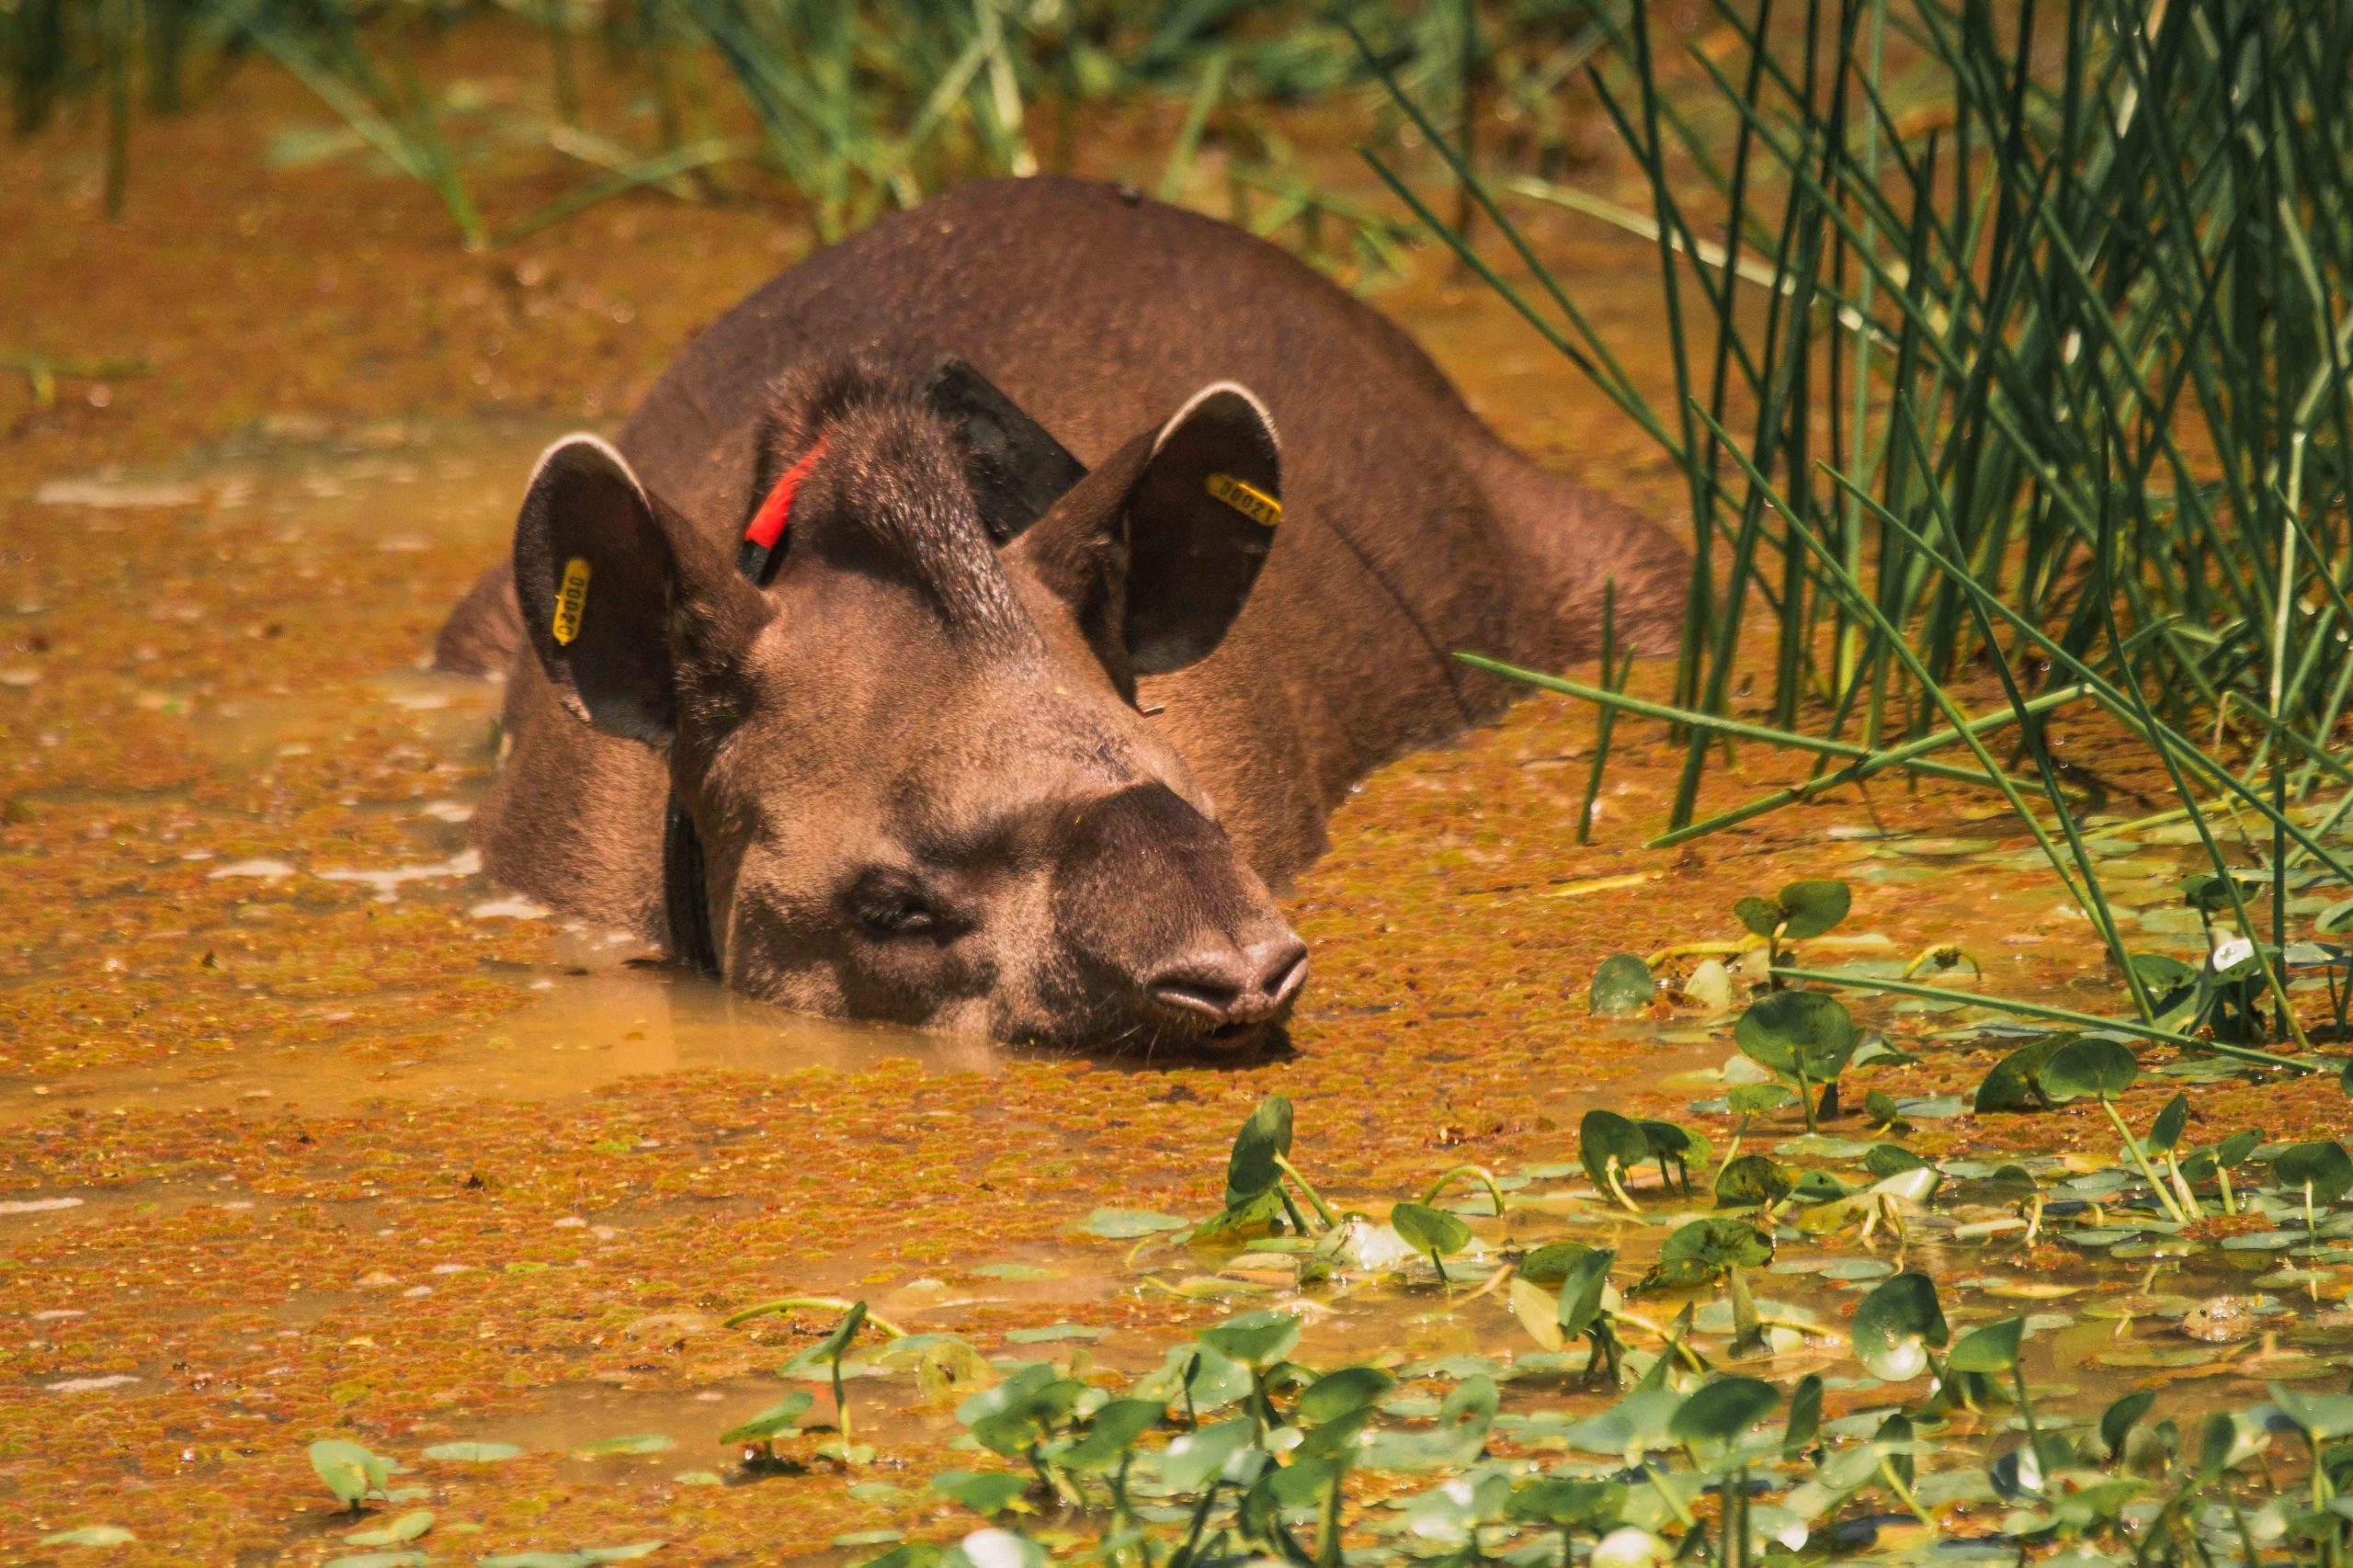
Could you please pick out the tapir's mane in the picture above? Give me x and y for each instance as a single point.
(890, 493)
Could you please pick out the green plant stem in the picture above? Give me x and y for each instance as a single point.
(2064, 1015)
(1760, 733)
(2140, 1159)
(799, 1303)
(1494, 1193)
(1322, 1210)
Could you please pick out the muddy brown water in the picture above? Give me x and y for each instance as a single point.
(306, 1131)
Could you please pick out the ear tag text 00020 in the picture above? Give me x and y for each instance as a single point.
(570, 600)
(1247, 499)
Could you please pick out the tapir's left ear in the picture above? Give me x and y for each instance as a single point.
(1016, 468)
(1158, 550)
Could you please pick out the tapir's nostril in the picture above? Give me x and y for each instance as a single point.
(1234, 984)
(1281, 963)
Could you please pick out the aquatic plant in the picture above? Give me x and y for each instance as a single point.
(2024, 350)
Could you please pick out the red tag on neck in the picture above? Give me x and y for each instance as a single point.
(775, 516)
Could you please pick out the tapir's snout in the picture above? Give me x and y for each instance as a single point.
(1235, 982)
(1169, 935)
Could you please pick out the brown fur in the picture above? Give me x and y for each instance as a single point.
(1410, 531)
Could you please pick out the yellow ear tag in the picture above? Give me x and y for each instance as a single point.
(572, 599)
(1247, 499)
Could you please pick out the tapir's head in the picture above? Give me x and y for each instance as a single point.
(913, 756)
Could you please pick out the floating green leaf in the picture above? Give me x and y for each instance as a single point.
(1623, 985)
(2089, 1065)
(1896, 1327)
(1722, 1410)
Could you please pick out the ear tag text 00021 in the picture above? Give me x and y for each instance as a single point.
(1247, 499)
(570, 600)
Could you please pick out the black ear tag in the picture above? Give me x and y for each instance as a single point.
(1018, 471)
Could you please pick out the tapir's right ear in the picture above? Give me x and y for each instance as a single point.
(626, 606)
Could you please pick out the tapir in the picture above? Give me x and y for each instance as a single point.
(973, 625)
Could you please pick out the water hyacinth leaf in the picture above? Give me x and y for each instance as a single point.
(2012, 1083)
(394, 1531)
(1589, 1507)
(1806, 1417)
(1464, 1418)
(2206, 892)
(1013, 1415)
(1754, 1099)
(1609, 1145)
(1434, 1232)
(2172, 1121)
(1897, 1324)
(2322, 1416)
(985, 1493)
(1622, 985)
(1700, 1252)
(1127, 1224)
(1538, 1310)
(1258, 1339)
(1811, 908)
(2236, 1149)
(1675, 1145)
(1890, 1159)
(1251, 1170)
(1795, 1033)
(1723, 1411)
(1550, 1263)
(2322, 1168)
(1583, 1290)
(2103, 1068)
(2115, 1423)
(1761, 916)
(1111, 1434)
(1342, 1393)
(818, 1359)
(1818, 1186)
(1753, 1181)
(1193, 1460)
(776, 1419)
(1990, 1350)
(350, 1472)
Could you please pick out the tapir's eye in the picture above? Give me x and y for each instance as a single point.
(889, 904)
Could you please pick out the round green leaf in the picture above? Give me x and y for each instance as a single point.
(985, 1493)
(1430, 1230)
(2011, 1085)
(1257, 1339)
(1994, 1348)
(2088, 1066)
(1582, 1287)
(2170, 1124)
(1762, 916)
(1593, 1507)
(1724, 1410)
(1550, 1263)
(778, 1418)
(1810, 908)
(1896, 1327)
(1251, 1169)
(2322, 1166)
(1608, 1141)
(1798, 1031)
(1753, 1181)
(1339, 1394)
(1623, 985)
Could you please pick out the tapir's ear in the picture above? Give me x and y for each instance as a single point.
(624, 603)
(1156, 551)
(1016, 469)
